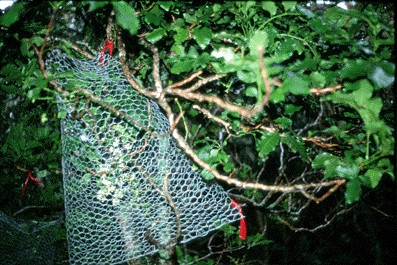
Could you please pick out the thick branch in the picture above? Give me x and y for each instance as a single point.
(249, 185)
(126, 70)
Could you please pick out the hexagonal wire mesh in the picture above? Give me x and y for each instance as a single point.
(129, 190)
(26, 241)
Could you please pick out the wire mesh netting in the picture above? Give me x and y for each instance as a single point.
(129, 190)
(24, 242)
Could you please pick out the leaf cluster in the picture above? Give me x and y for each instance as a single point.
(330, 69)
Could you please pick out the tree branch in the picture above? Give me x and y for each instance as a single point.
(249, 185)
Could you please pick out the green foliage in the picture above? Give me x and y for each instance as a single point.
(12, 14)
(126, 17)
(306, 46)
(267, 143)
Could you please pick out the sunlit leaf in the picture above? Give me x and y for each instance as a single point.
(296, 86)
(181, 35)
(288, 5)
(12, 14)
(203, 36)
(259, 38)
(166, 5)
(347, 171)
(251, 91)
(246, 76)
(156, 35)
(34, 93)
(269, 7)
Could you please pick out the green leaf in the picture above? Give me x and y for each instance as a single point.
(317, 80)
(323, 160)
(178, 48)
(347, 171)
(126, 17)
(267, 143)
(258, 240)
(202, 36)
(205, 174)
(259, 38)
(181, 35)
(166, 5)
(193, 52)
(94, 5)
(288, 5)
(34, 93)
(363, 93)
(62, 114)
(290, 109)
(387, 167)
(251, 91)
(355, 69)
(204, 152)
(154, 16)
(296, 146)
(373, 176)
(284, 122)
(307, 12)
(182, 66)
(25, 48)
(228, 167)
(156, 35)
(269, 7)
(296, 86)
(12, 14)
(278, 95)
(353, 191)
(246, 76)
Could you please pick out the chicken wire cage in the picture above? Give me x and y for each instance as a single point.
(129, 190)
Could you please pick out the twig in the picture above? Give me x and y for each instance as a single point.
(109, 27)
(316, 121)
(39, 54)
(312, 230)
(246, 113)
(76, 48)
(126, 70)
(249, 185)
(211, 99)
(156, 67)
(213, 117)
(265, 80)
(197, 85)
(320, 91)
(185, 81)
(47, 32)
(175, 210)
(31, 207)
(321, 142)
(115, 111)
